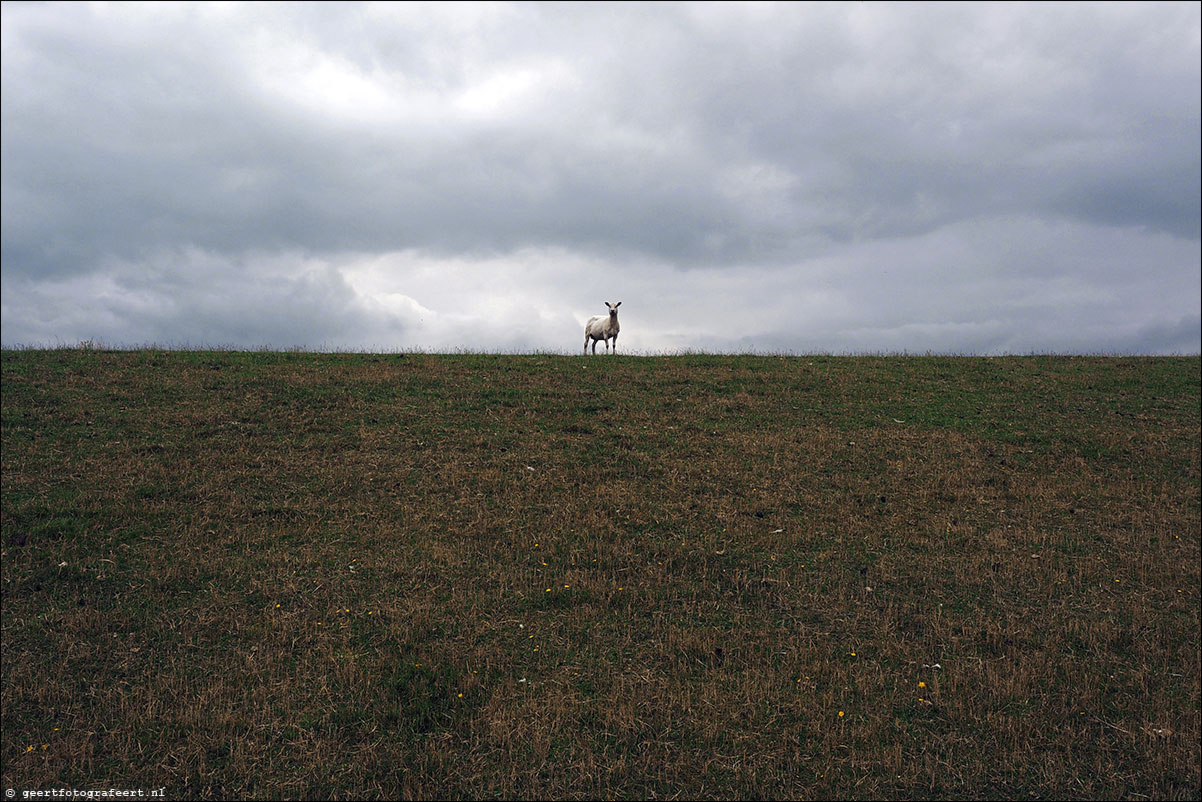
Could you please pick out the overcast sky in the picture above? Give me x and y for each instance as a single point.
(809, 178)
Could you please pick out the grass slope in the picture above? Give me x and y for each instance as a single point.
(301, 575)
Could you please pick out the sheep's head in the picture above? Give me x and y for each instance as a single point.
(613, 308)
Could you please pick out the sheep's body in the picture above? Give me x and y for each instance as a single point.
(603, 327)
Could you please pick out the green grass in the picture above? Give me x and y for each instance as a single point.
(293, 575)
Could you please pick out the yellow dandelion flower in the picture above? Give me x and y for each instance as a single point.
(460, 696)
(922, 685)
(840, 714)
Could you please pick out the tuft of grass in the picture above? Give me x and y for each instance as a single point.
(296, 575)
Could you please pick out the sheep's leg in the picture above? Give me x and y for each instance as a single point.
(615, 343)
(586, 344)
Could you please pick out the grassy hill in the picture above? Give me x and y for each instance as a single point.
(295, 575)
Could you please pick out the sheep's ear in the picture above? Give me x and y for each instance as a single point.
(619, 303)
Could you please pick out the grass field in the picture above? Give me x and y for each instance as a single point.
(294, 575)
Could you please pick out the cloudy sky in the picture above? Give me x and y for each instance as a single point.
(834, 178)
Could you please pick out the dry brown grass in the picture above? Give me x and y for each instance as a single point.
(364, 576)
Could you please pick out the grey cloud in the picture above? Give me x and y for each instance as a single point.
(936, 115)
(689, 136)
(199, 299)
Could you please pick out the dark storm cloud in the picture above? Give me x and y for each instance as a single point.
(632, 137)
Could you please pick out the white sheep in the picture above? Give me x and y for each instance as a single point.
(601, 327)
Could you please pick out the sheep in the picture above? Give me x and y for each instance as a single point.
(603, 328)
